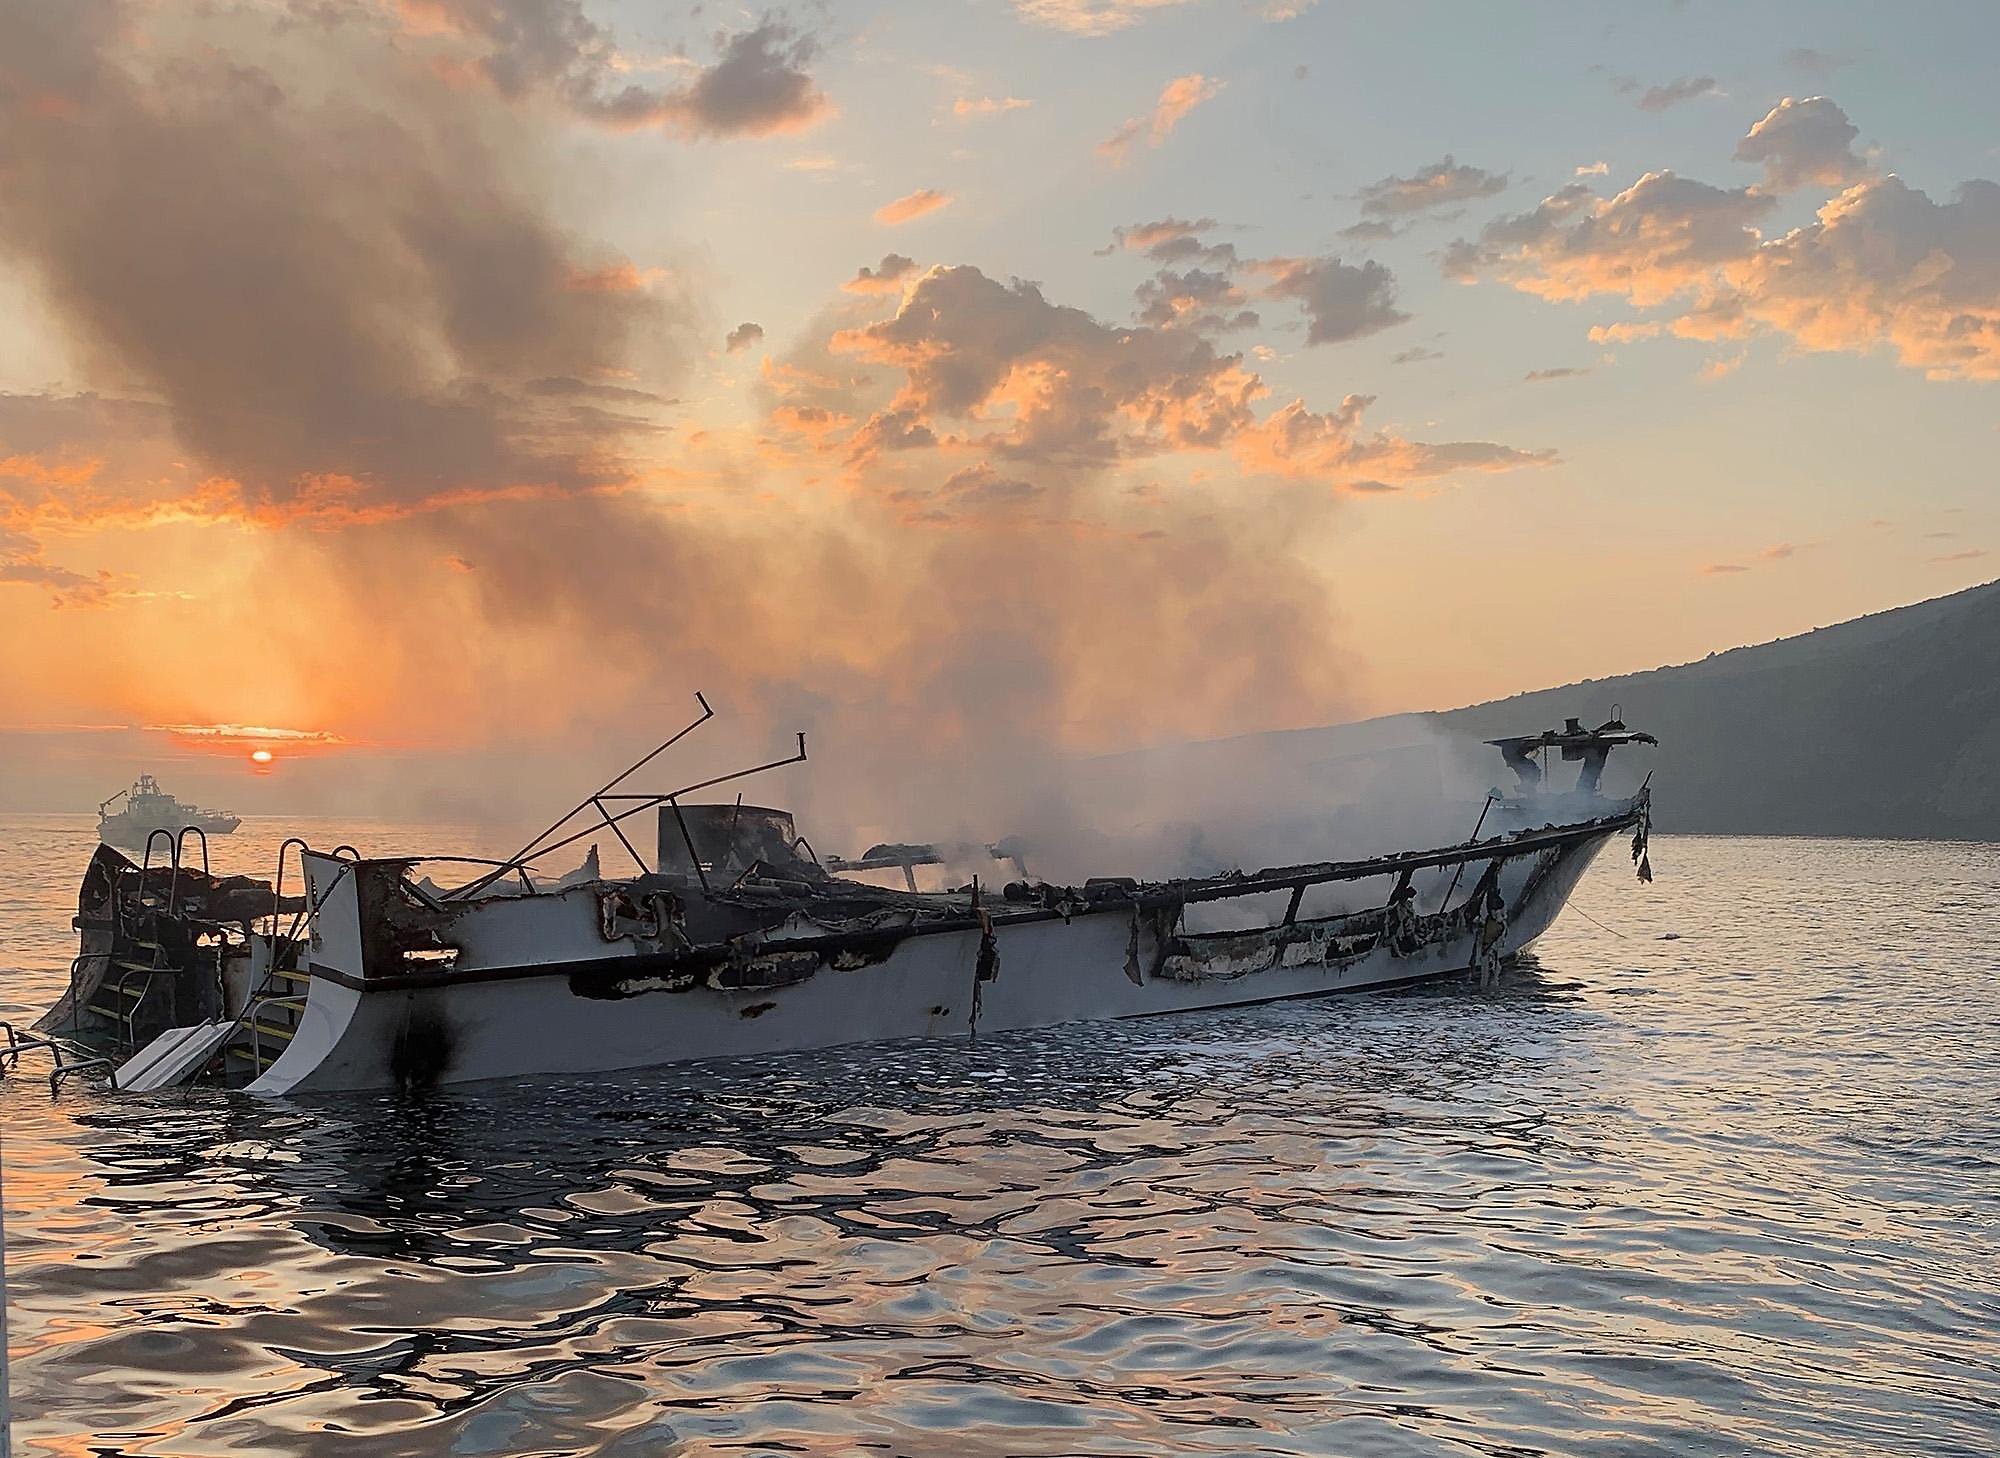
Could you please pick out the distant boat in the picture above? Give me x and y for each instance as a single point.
(149, 808)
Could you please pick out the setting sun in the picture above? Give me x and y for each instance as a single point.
(260, 756)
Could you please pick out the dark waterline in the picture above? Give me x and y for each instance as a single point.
(1735, 1192)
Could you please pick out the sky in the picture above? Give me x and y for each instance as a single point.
(435, 394)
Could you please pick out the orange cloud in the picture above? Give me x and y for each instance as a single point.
(1300, 444)
(1881, 265)
(1181, 96)
(887, 277)
(988, 105)
(756, 87)
(623, 277)
(815, 422)
(40, 473)
(1089, 17)
(1624, 333)
(912, 205)
(999, 368)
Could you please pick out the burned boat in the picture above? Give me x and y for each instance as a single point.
(735, 937)
(149, 809)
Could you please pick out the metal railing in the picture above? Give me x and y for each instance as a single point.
(607, 794)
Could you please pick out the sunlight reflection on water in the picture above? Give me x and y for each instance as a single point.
(1738, 1191)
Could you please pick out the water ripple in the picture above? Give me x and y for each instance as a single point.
(1717, 1177)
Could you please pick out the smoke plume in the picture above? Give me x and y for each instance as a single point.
(333, 258)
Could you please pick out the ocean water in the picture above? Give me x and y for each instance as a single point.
(1717, 1173)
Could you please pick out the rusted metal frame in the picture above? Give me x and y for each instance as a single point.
(1282, 878)
(1461, 865)
(646, 802)
(1155, 898)
(612, 825)
(75, 968)
(278, 883)
(311, 908)
(694, 856)
(78, 1060)
(535, 846)
(146, 864)
(709, 784)
(257, 1030)
(180, 843)
(128, 1017)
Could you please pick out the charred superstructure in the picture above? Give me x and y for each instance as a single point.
(739, 938)
(1527, 755)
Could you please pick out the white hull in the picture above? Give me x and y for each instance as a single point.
(513, 1020)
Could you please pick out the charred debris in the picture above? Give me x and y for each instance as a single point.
(734, 898)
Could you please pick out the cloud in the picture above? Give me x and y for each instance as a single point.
(1439, 185)
(570, 385)
(1301, 444)
(1971, 554)
(1342, 301)
(1880, 266)
(1777, 552)
(1802, 142)
(1089, 17)
(912, 205)
(23, 565)
(1173, 240)
(1814, 62)
(999, 369)
(1416, 354)
(1038, 381)
(1180, 96)
(756, 87)
(972, 491)
(1105, 17)
(359, 293)
(331, 300)
(988, 105)
(1624, 333)
(1658, 238)
(1672, 93)
(1592, 169)
(1563, 372)
(1370, 230)
(885, 278)
(743, 336)
(1195, 299)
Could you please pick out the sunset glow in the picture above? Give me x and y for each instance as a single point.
(1046, 379)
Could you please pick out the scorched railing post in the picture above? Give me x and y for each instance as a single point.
(6, 1387)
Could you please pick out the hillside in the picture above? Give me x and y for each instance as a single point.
(1887, 725)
